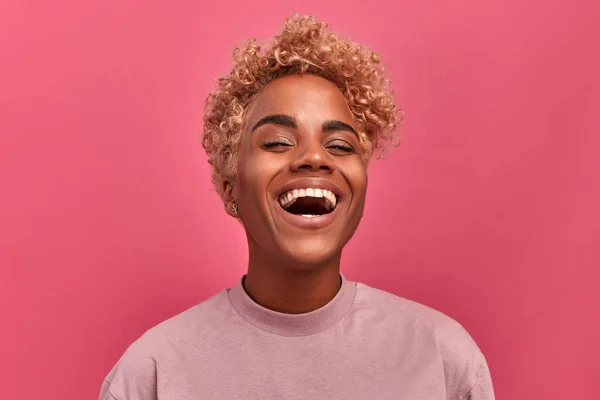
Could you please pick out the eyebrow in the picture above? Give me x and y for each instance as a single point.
(289, 122)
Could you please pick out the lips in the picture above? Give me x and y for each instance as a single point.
(314, 222)
(319, 198)
(309, 203)
(314, 183)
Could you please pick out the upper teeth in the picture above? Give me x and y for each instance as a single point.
(288, 198)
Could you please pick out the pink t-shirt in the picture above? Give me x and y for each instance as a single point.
(364, 344)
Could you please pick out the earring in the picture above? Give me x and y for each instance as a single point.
(234, 208)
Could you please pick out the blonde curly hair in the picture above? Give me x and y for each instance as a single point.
(305, 45)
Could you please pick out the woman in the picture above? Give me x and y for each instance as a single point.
(289, 133)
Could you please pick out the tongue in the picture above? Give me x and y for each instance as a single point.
(308, 206)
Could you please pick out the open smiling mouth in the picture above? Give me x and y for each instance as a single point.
(308, 203)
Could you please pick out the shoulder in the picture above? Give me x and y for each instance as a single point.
(184, 328)
(134, 374)
(419, 317)
(432, 331)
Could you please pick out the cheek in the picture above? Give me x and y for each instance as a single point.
(359, 181)
(253, 178)
(246, 179)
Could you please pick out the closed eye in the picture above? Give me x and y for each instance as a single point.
(341, 147)
(275, 144)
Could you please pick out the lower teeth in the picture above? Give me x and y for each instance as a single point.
(308, 215)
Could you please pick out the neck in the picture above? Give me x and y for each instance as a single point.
(282, 286)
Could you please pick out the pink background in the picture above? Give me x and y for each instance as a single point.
(488, 211)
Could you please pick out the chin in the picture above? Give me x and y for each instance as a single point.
(308, 253)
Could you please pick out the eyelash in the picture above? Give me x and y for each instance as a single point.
(342, 147)
(272, 144)
(269, 145)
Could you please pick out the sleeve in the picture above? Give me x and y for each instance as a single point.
(132, 378)
(105, 392)
(483, 389)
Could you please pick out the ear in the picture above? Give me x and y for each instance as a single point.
(228, 196)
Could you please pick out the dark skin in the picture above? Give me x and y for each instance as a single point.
(298, 127)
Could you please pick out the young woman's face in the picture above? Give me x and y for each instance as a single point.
(302, 180)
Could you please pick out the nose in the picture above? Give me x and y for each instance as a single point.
(312, 157)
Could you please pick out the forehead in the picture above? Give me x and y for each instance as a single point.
(306, 97)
